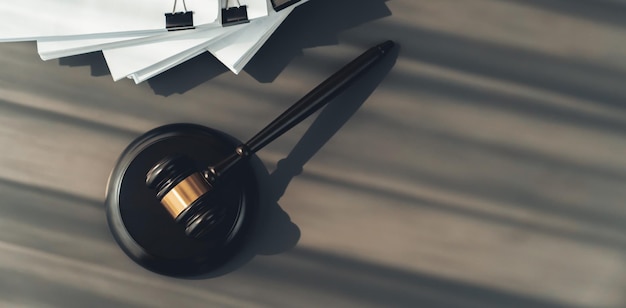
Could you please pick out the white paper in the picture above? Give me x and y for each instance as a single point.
(24, 20)
(124, 61)
(142, 56)
(240, 56)
(237, 50)
(158, 68)
(231, 50)
(52, 48)
(58, 48)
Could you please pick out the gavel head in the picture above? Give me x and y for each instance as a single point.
(184, 191)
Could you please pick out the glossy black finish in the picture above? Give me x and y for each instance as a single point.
(168, 172)
(311, 102)
(203, 215)
(217, 219)
(145, 230)
(179, 21)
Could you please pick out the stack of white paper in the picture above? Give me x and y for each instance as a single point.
(132, 34)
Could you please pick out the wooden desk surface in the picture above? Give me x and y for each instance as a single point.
(485, 167)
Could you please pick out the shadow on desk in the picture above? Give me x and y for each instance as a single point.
(274, 232)
(95, 60)
(316, 23)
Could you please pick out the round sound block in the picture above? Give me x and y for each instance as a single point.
(145, 230)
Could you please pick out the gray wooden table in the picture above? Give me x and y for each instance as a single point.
(482, 165)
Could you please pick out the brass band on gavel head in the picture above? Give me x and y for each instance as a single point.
(185, 193)
(178, 183)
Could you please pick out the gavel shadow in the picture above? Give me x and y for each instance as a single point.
(274, 232)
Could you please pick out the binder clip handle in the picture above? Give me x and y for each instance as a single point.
(184, 6)
(228, 2)
(234, 15)
(179, 21)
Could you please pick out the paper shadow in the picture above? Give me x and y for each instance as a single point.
(187, 75)
(274, 232)
(315, 23)
(95, 60)
(302, 29)
(178, 79)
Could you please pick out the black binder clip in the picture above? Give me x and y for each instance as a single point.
(234, 15)
(179, 20)
(282, 4)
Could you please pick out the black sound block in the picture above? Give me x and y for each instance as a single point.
(143, 228)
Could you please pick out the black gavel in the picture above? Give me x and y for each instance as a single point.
(184, 188)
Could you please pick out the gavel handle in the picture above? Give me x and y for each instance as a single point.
(303, 108)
